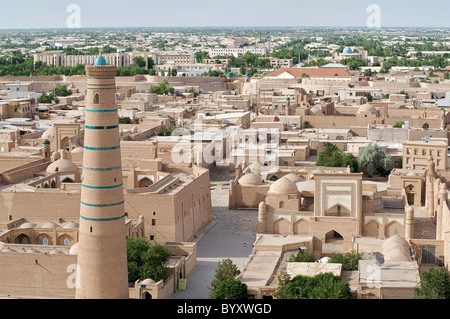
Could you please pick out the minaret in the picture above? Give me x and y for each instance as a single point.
(431, 175)
(102, 256)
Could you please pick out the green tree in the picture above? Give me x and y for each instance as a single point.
(146, 260)
(231, 289)
(331, 156)
(62, 91)
(322, 286)
(283, 280)
(48, 98)
(150, 63)
(349, 261)
(225, 269)
(200, 56)
(139, 61)
(307, 124)
(166, 131)
(434, 284)
(162, 88)
(124, 120)
(398, 124)
(373, 159)
(307, 257)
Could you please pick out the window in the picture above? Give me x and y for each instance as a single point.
(153, 222)
(67, 241)
(96, 98)
(428, 254)
(45, 241)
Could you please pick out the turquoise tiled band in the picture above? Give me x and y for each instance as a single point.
(102, 169)
(102, 148)
(101, 127)
(102, 187)
(100, 111)
(102, 205)
(113, 88)
(102, 219)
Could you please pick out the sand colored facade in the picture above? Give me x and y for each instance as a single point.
(102, 261)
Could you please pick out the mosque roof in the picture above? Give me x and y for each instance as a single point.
(62, 165)
(250, 179)
(347, 50)
(367, 108)
(283, 186)
(396, 248)
(293, 177)
(100, 60)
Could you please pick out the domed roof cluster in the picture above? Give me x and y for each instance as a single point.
(28, 225)
(77, 150)
(396, 248)
(62, 165)
(367, 108)
(74, 249)
(250, 179)
(49, 134)
(293, 177)
(253, 168)
(283, 186)
(316, 110)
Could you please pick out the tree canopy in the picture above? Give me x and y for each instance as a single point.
(231, 289)
(331, 156)
(349, 260)
(322, 286)
(373, 159)
(225, 269)
(162, 88)
(146, 260)
(434, 284)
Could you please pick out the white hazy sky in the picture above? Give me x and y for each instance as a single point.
(151, 13)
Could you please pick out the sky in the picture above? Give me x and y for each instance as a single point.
(22, 14)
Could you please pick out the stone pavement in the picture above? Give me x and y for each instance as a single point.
(230, 235)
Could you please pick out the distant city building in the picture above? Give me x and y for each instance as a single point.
(280, 63)
(123, 59)
(349, 53)
(317, 73)
(234, 42)
(213, 52)
(414, 54)
(197, 69)
(175, 59)
(66, 42)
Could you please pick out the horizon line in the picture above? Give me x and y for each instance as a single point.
(225, 26)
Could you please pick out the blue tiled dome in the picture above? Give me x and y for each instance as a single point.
(100, 60)
(347, 50)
